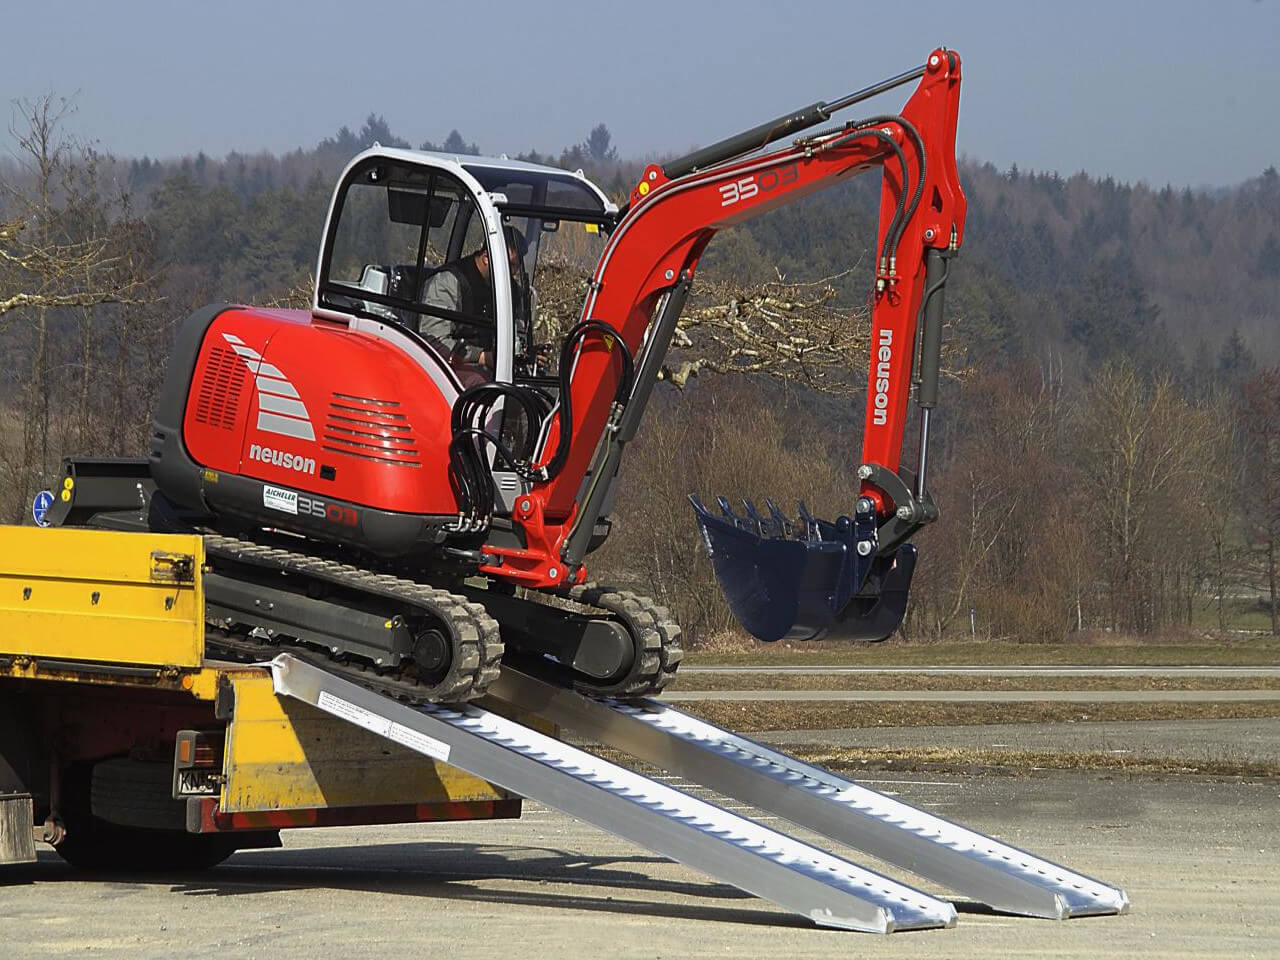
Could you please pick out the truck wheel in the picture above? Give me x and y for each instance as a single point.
(95, 843)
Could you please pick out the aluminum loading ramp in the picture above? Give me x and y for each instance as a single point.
(960, 859)
(815, 884)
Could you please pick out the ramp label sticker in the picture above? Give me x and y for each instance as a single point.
(277, 498)
(405, 736)
(429, 746)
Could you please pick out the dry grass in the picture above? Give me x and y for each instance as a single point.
(880, 681)
(730, 650)
(813, 715)
(969, 761)
(856, 763)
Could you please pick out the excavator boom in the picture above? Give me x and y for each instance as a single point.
(782, 579)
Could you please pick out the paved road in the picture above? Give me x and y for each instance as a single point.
(982, 696)
(1006, 671)
(1197, 859)
(1190, 741)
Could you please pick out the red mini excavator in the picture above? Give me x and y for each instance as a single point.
(406, 479)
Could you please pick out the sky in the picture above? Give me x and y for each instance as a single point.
(1167, 91)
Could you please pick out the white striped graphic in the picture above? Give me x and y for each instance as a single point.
(271, 385)
(290, 408)
(280, 410)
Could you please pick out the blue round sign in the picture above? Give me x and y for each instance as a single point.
(40, 508)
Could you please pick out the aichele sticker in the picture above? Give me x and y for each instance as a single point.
(276, 498)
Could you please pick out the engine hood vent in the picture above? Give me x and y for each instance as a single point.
(370, 429)
(220, 391)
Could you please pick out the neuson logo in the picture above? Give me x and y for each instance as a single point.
(279, 458)
(883, 357)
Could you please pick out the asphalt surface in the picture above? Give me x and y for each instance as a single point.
(1197, 859)
(981, 696)
(1190, 741)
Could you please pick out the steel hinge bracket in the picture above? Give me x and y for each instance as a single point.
(172, 567)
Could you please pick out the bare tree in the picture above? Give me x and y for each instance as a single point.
(64, 246)
(56, 263)
(1260, 486)
(1144, 451)
(789, 330)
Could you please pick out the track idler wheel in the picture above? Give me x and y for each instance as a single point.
(432, 649)
(806, 579)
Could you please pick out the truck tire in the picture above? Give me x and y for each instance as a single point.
(136, 793)
(95, 843)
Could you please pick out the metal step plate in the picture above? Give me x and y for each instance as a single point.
(956, 857)
(829, 891)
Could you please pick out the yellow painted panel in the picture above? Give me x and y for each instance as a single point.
(101, 595)
(200, 684)
(283, 754)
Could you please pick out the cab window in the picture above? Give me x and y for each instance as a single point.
(407, 245)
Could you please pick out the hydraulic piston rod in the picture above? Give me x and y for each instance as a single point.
(781, 128)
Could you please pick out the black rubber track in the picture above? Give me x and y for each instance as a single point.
(477, 644)
(653, 630)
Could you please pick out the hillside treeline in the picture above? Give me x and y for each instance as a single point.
(1106, 457)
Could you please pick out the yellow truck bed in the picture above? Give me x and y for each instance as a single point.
(102, 654)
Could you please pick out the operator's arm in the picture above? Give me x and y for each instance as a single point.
(444, 292)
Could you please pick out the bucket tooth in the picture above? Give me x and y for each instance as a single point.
(781, 524)
(806, 517)
(812, 525)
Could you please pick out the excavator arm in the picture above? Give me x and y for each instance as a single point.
(629, 318)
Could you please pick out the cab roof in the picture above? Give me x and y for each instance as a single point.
(518, 180)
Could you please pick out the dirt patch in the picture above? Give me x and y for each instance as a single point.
(814, 715)
(854, 763)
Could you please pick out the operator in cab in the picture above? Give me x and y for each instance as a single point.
(466, 287)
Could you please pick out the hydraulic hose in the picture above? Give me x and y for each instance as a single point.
(473, 482)
(914, 134)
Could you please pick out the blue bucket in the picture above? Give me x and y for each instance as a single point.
(806, 579)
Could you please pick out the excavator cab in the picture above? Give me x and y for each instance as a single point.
(448, 247)
(558, 223)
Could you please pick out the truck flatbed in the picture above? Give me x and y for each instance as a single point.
(104, 684)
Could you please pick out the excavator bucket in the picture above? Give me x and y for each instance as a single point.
(806, 579)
